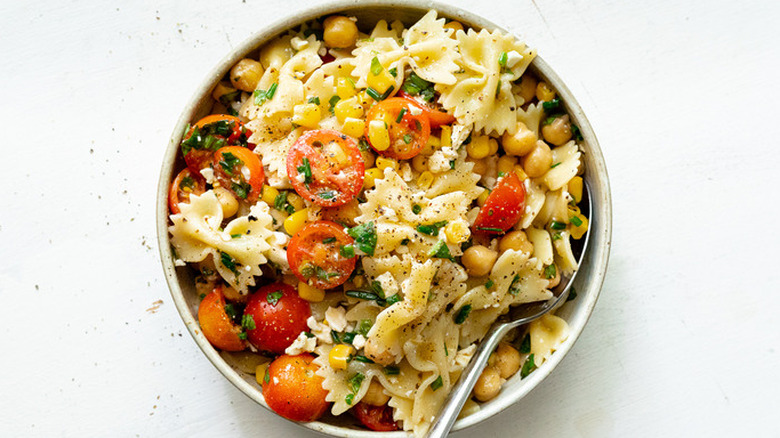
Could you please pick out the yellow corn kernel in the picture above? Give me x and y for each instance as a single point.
(431, 146)
(380, 82)
(269, 195)
(296, 221)
(575, 188)
(373, 174)
(383, 163)
(479, 147)
(506, 164)
(577, 231)
(348, 108)
(335, 152)
(482, 198)
(260, 373)
(425, 180)
(353, 127)
(310, 293)
(295, 200)
(339, 356)
(222, 89)
(345, 88)
(544, 92)
(378, 135)
(457, 232)
(364, 99)
(492, 146)
(420, 163)
(521, 173)
(308, 115)
(446, 135)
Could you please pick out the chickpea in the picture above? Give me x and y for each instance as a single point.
(538, 162)
(339, 32)
(521, 142)
(544, 92)
(246, 74)
(375, 396)
(528, 88)
(552, 282)
(478, 260)
(488, 385)
(377, 353)
(507, 360)
(480, 166)
(516, 240)
(506, 164)
(227, 201)
(420, 163)
(558, 132)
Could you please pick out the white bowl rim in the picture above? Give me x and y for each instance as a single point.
(598, 252)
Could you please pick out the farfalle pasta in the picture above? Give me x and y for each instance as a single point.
(364, 202)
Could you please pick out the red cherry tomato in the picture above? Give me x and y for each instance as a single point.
(216, 325)
(316, 256)
(326, 167)
(408, 133)
(209, 134)
(239, 170)
(185, 184)
(279, 316)
(503, 207)
(293, 390)
(436, 117)
(379, 418)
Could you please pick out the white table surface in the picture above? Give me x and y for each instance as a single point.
(683, 342)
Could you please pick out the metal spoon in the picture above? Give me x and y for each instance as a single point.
(517, 316)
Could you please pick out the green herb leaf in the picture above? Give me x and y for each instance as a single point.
(416, 209)
(362, 295)
(498, 89)
(555, 225)
(514, 287)
(248, 322)
(576, 221)
(376, 287)
(347, 251)
(361, 358)
(436, 384)
(230, 311)
(525, 346)
(274, 297)
(374, 94)
(415, 85)
(528, 366)
(363, 327)
(551, 106)
(392, 370)
(572, 294)
(333, 101)
(446, 351)
(355, 382)
(327, 194)
(549, 272)
(407, 138)
(365, 237)
(389, 301)
(433, 229)
(376, 66)
(241, 189)
(462, 314)
(280, 200)
(335, 336)
(235, 236)
(305, 169)
(187, 182)
(242, 336)
(348, 337)
(555, 165)
(400, 115)
(493, 229)
(502, 59)
(393, 71)
(452, 164)
(328, 240)
(315, 100)
(229, 162)
(441, 251)
(228, 262)
(262, 95)
(349, 399)
(267, 377)
(577, 134)
(549, 120)
(489, 284)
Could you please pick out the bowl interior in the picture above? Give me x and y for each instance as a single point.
(589, 279)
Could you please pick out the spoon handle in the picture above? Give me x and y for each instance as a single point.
(462, 390)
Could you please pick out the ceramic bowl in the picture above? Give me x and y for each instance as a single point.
(588, 282)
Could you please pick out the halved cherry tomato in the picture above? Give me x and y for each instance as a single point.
(408, 132)
(326, 167)
(503, 207)
(293, 390)
(436, 117)
(185, 184)
(216, 325)
(239, 170)
(279, 316)
(379, 418)
(318, 254)
(209, 134)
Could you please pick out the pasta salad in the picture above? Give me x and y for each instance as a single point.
(359, 208)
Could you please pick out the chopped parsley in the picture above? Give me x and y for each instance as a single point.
(328, 240)
(333, 101)
(209, 137)
(230, 311)
(489, 284)
(262, 95)
(441, 251)
(327, 194)
(229, 162)
(354, 383)
(514, 287)
(575, 130)
(525, 346)
(363, 144)
(393, 71)
(502, 59)
(228, 262)
(274, 297)
(431, 230)
(347, 251)
(549, 120)
(528, 366)
(242, 336)
(549, 272)
(576, 221)
(416, 85)
(187, 182)
(248, 322)
(241, 189)
(305, 169)
(365, 237)
(267, 376)
(552, 105)
(280, 200)
(389, 301)
(315, 100)
(462, 314)
(376, 287)
(235, 236)
(376, 66)
(407, 138)
(436, 384)
(363, 327)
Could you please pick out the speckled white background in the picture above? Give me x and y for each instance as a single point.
(682, 95)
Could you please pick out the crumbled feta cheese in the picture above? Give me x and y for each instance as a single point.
(512, 58)
(415, 110)
(301, 178)
(336, 317)
(389, 285)
(322, 51)
(246, 173)
(179, 262)
(464, 355)
(320, 330)
(298, 44)
(301, 344)
(406, 172)
(440, 160)
(359, 341)
(389, 214)
(208, 174)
